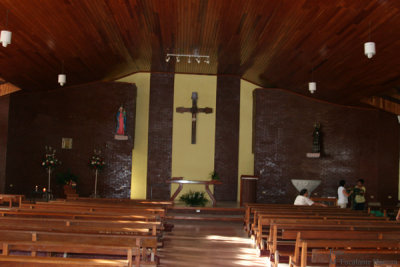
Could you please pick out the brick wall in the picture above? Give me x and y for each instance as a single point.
(357, 143)
(160, 135)
(85, 113)
(227, 136)
(4, 106)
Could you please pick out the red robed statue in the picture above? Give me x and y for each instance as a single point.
(121, 124)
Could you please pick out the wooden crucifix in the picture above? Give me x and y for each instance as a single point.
(194, 110)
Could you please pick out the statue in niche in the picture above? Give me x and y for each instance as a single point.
(121, 124)
(316, 147)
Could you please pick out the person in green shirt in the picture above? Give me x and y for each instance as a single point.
(359, 195)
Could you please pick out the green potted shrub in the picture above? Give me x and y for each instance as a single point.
(193, 199)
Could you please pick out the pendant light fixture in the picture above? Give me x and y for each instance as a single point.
(312, 86)
(369, 47)
(5, 37)
(62, 78)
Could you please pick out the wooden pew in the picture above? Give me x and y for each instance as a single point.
(355, 246)
(327, 234)
(264, 223)
(252, 209)
(282, 225)
(79, 215)
(93, 207)
(141, 242)
(66, 247)
(12, 199)
(326, 230)
(55, 224)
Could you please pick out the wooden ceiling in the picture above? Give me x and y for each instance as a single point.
(273, 43)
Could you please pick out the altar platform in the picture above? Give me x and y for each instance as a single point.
(223, 211)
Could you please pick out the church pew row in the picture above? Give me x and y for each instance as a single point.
(144, 243)
(82, 215)
(11, 199)
(359, 247)
(321, 214)
(80, 253)
(125, 201)
(269, 228)
(141, 227)
(309, 213)
(284, 232)
(320, 255)
(90, 219)
(93, 207)
(251, 209)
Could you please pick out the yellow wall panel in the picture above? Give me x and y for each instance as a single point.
(193, 161)
(246, 157)
(139, 153)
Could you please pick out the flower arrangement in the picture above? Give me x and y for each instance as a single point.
(96, 162)
(50, 160)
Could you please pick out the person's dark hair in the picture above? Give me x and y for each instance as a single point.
(342, 182)
(303, 192)
(361, 181)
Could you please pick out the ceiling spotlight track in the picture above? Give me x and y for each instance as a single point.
(198, 58)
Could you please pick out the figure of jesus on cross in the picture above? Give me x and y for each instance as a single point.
(194, 110)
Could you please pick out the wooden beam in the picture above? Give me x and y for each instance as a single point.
(386, 103)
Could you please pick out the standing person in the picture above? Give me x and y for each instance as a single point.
(303, 200)
(342, 195)
(359, 195)
(398, 216)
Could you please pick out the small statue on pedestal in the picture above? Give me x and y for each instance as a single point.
(316, 147)
(121, 125)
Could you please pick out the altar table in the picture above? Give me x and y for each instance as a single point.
(181, 182)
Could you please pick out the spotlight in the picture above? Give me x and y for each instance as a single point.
(178, 59)
(167, 59)
(207, 60)
(189, 61)
(198, 60)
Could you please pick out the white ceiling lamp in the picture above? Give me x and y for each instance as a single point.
(369, 47)
(312, 86)
(62, 78)
(5, 37)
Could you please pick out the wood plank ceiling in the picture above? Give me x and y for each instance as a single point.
(273, 43)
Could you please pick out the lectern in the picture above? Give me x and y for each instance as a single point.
(248, 189)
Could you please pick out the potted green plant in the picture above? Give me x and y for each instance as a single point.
(194, 199)
(214, 175)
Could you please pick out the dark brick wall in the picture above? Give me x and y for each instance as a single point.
(160, 135)
(4, 107)
(86, 113)
(227, 136)
(357, 143)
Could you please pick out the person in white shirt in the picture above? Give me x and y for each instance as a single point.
(303, 200)
(342, 195)
(398, 216)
